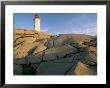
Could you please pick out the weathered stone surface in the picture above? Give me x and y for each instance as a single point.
(59, 42)
(25, 49)
(76, 38)
(82, 69)
(34, 65)
(25, 40)
(40, 48)
(22, 51)
(41, 53)
(49, 43)
(43, 35)
(21, 61)
(18, 32)
(93, 50)
(68, 39)
(18, 69)
(68, 59)
(34, 59)
(58, 52)
(53, 68)
(28, 32)
(86, 58)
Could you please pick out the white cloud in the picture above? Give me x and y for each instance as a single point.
(82, 24)
(88, 29)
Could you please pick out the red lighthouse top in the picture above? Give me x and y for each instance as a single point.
(36, 16)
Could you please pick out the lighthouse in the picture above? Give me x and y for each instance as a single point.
(36, 23)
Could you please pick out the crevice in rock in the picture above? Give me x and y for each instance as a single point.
(31, 50)
(54, 38)
(18, 46)
(53, 41)
(29, 53)
(42, 59)
(89, 63)
(46, 44)
(68, 70)
(75, 61)
(27, 68)
(19, 43)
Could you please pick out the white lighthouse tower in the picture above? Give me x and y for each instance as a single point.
(36, 23)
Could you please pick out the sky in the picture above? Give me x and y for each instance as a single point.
(59, 23)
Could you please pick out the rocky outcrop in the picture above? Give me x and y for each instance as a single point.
(40, 53)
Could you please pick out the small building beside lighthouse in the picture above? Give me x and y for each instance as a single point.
(36, 23)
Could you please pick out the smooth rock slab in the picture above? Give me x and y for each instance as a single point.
(58, 52)
(53, 68)
(34, 59)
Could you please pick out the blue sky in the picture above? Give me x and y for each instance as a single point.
(58, 23)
